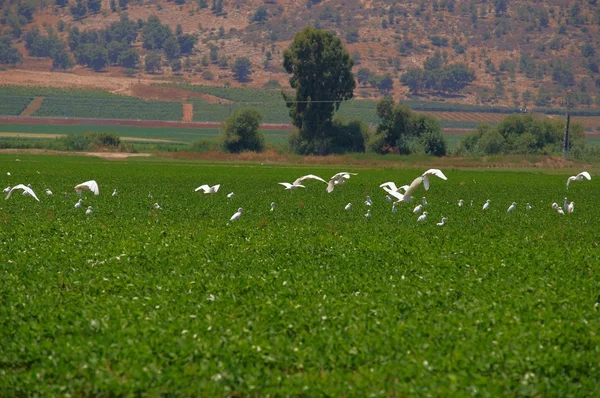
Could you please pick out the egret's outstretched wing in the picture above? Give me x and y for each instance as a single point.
(308, 177)
(570, 180)
(435, 172)
(338, 178)
(90, 185)
(395, 194)
(25, 188)
(413, 187)
(390, 184)
(204, 188)
(585, 174)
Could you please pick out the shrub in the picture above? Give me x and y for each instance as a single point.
(239, 132)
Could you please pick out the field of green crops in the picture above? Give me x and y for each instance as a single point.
(307, 300)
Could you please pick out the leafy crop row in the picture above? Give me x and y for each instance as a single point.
(307, 300)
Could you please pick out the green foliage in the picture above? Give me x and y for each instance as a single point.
(562, 73)
(152, 62)
(94, 6)
(79, 9)
(93, 56)
(176, 66)
(171, 47)
(322, 78)
(261, 14)
(9, 54)
(123, 4)
(154, 33)
(186, 43)
(450, 79)
(129, 58)
(90, 141)
(240, 132)
(242, 69)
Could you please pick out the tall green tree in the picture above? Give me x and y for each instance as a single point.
(154, 34)
(321, 70)
(9, 54)
(152, 62)
(242, 68)
(239, 132)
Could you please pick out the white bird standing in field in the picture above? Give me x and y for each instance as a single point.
(560, 211)
(25, 189)
(512, 207)
(8, 173)
(208, 189)
(571, 207)
(230, 195)
(338, 179)
(48, 192)
(156, 206)
(418, 209)
(394, 208)
(565, 205)
(90, 185)
(460, 203)
(300, 180)
(443, 222)
(348, 206)
(368, 202)
(149, 195)
(486, 205)
(272, 206)
(528, 206)
(422, 217)
(555, 206)
(287, 185)
(424, 201)
(89, 211)
(368, 213)
(236, 215)
(115, 192)
(78, 204)
(578, 177)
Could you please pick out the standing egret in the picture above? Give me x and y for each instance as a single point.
(368, 202)
(300, 180)
(422, 217)
(560, 211)
(8, 173)
(230, 195)
(460, 203)
(528, 206)
(424, 201)
(90, 185)
(471, 202)
(89, 211)
(394, 208)
(565, 204)
(236, 215)
(25, 189)
(571, 207)
(443, 222)
(418, 209)
(115, 192)
(48, 192)
(272, 206)
(512, 207)
(207, 189)
(486, 205)
(156, 206)
(555, 206)
(78, 204)
(287, 185)
(578, 177)
(149, 195)
(368, 213)
(338, 179)
(348, 206)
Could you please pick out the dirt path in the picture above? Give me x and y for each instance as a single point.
(104, 155)
(33, 106)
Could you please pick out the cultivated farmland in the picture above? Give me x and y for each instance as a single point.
(306, 300)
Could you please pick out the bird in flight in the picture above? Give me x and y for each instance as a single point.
(26, 190)
(338, 179)
(207, 189)
(579, 177)
(300, 180)
(287, 185)
(90, 185)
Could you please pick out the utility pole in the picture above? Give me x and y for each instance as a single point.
(566, 136)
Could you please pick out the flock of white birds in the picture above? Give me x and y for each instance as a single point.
(402, 194)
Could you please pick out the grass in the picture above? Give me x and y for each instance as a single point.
(307, 300)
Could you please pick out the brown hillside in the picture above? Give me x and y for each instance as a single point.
(387, 37)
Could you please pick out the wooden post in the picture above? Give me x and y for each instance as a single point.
(566, 136)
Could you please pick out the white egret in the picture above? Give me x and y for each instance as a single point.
(272, 206)
(8, 173)
(78, 204)
(528, 206)
(486, 205)
(443, 222)
(424, 178)
(149, 195)
(300, 180)
(430, 172)
(348, 206)
(368, 202)
(388, 199)
(418, 209)
(422, 217)
(560, 211)
(156, 206)
(25, 189)
(338, 179)
(48, 192)
(460, 203)
(424, 201)
(565, 205)
(471, 202)
(287, 185)
(391, 185)
(571, 207)
(555, 206)
(207, 189)
(512, 207)
(6, 189)
(89, 210)
(394, 208)
(578, 177)
(230, 195)
(236, 215)
(115, 192)
(368, 213)
(90, 185)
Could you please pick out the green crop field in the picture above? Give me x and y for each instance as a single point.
(307, 300)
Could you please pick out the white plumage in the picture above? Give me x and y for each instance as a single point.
(208, 189)
(90, 185)
(26, 190)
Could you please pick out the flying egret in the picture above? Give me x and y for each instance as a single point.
(368, 213)
(571, 207)
(89, 210)
(418, 209)
(115, 192)
(578, 177)
(512, 207)
(565, 205)
(230, 195)
(460, 203)
(443, 222)
(424, 201)
(388, 199)
(90, 185)
(338, 179)
(236, 215)
(348, 206)
(272, 206)
(287, 185)
(486, 205)
(430, 172)
(424, 178)
(25, 188)
(368, 202)
(48, 192)
(208, 189)
(78, 204)
(528, 206)
(391, 185)
(300, 180)
(422, 217)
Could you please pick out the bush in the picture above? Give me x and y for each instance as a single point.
(240, 132)
(347, 136)
(87, 141)
(433, 143)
